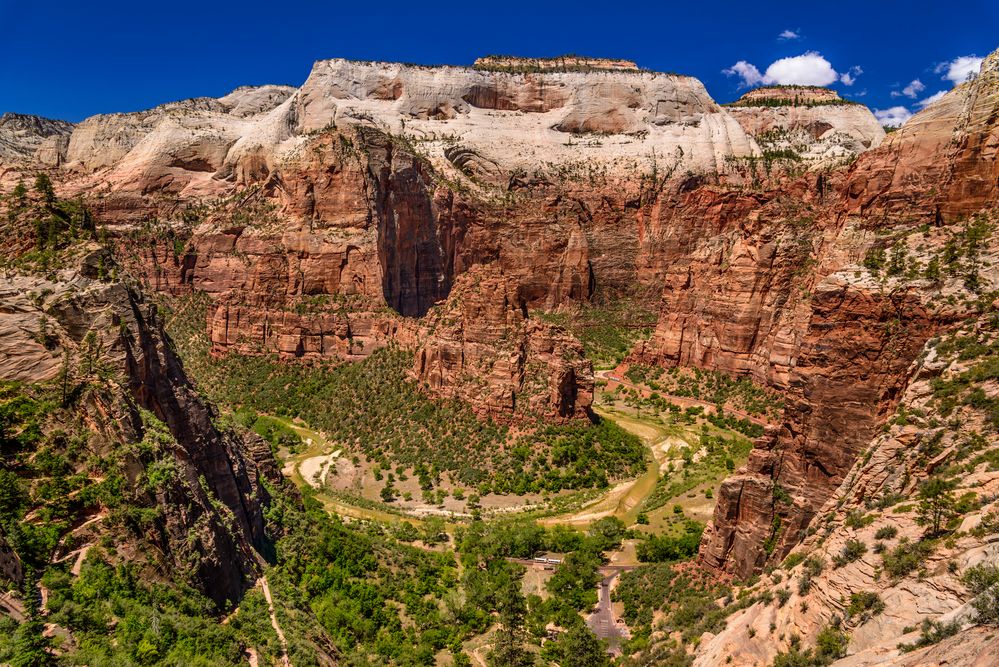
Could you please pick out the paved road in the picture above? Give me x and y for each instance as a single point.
(606, 570)
(602, 622)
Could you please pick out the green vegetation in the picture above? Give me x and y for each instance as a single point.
(370, 594)
(906, 557)
(686, 597)
(983, 581)
(607, 331)
(55, 225)
(672, 548)
(931, 632)
(709, 386)
(813, 567)
(830, 644)
(886, 533)
(720, 455)
(372, 408)
(936, 504)
(852, 551)
(794, 101)
(119, 618)
(960, 256)
(864, 605)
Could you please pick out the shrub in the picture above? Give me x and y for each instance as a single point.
(668, 548)
(865, 604)
(829, 645)
(813, 566)
(793, 560)
(886, 533)
(931, 632)
(905, 557)
(783, 595)
(983, 581)
(856, 519)
(852, 550)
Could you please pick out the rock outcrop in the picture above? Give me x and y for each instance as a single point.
(481, 346)
(849, 336)
(567, 63)
(875, 506)
(813, 125)
(23, 137)
(108, 345)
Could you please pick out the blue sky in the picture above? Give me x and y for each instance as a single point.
(73, 59)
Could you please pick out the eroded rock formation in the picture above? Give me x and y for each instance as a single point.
(813, 125)
(102, 337)
(482, 347)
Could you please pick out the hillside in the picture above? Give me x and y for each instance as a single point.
(521, 363)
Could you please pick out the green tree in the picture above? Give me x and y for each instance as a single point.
(874, 259)
(936, 503)
(896, 261)
(579, 647)
(43, 186)
(31, 647)
(20, 193)
(509, 649)
(575, 581)
(932, 270)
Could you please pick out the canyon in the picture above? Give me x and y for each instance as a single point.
(449, 211)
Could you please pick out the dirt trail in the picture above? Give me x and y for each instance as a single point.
(274, 622)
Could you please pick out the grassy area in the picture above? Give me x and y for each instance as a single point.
(670, 598)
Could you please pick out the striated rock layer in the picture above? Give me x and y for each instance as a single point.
(813, 125)
(804, 315)
(210, 522)
(318, 218)
(481, 347)
(876, 505)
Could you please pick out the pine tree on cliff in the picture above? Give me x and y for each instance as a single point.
(43, 186)
(936, 504)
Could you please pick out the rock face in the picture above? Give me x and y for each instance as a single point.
(24, 137)
(942, 163)
(838, 340)
(109, 324)
(481, 347)
(789, 95)
(557, 64)
(810, 124)
(177, 148)
(873, 504)
(343, 208)
(204, 146)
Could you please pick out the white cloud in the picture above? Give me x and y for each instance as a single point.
(747, 72)
(913, 89)
(893, 117)
(808, 69)
(788, 35)
(960, 69)
(849, 78)
(922, 104)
